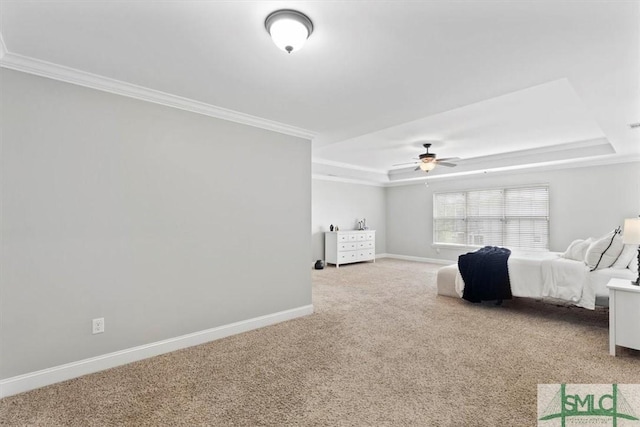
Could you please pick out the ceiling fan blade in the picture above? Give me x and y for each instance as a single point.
(448, 158)
(417, 169)
(450, 165)
(401, 164)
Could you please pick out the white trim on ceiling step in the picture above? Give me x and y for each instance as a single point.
(347, 166)
(33, 380)
(3, 47)
(334, 178)
(81, 78)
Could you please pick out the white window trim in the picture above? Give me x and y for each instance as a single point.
(459, 246)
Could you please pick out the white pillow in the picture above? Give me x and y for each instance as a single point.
(577, 249)
(604, 251)
(627, 254)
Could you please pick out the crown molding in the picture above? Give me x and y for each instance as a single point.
(81, 78)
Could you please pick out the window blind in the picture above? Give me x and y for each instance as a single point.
(511, 217)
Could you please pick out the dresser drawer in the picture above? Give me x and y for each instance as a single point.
(343, 237)
(370, 236)
(365, 245)
(344, 257)
(366, 255)
(347, 246)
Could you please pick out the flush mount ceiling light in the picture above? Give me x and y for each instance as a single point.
(289, 29)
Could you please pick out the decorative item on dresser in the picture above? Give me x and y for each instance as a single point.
(344, 247)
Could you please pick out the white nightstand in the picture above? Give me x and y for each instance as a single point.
(624, 315)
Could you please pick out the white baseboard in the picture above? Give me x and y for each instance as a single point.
(416, 258)
(33, 380)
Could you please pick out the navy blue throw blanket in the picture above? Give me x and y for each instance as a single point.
(485, 274)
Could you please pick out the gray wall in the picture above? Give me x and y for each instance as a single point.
(161, 221)
(584, 202)
(341, 204)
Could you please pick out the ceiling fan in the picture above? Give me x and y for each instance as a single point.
(427, 161)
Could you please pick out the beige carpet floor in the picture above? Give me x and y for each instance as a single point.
(381, 349)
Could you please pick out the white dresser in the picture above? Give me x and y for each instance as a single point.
(343, 247)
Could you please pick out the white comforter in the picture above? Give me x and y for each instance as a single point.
(547, 275)
(568, 280)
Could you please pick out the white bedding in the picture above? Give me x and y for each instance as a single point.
(548, 275)
(568, 280)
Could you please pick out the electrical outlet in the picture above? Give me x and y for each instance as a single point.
(98, 325)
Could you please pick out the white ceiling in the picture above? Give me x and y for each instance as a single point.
(376, 78)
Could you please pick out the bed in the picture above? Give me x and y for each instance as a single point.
(545, 275)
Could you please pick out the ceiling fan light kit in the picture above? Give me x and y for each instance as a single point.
(427, 166)
(289, 29)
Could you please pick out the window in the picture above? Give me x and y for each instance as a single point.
(511, 217)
